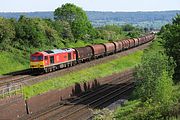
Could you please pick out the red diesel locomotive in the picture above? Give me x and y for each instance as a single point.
(51, 60)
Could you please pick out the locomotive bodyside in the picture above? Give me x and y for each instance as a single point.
(53, 59)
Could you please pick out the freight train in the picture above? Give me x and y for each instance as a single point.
(51, 60)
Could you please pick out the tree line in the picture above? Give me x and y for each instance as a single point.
(70, 24)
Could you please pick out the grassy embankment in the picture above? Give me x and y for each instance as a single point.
(101, 70)
(13, 61)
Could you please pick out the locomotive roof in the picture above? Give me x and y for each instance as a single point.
(55, 51)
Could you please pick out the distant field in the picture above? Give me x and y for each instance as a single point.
(148, 24)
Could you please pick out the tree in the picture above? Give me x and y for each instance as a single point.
(134, 34)
(77, 18)
(146, 29)
(36, 32)
(128, 27)
(64, 29)
(29, 32)
(7, 33)
(109, 32)
(155, 77)
(170, 33)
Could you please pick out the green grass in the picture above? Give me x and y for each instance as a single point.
(101, 70)
(13, 61)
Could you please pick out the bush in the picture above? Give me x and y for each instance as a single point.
(171, 41)
(154, 77)
(137, 110)
(7, 33)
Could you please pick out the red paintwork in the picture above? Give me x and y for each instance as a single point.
(59, 58)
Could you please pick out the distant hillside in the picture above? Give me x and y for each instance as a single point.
(142, 19)
(29, 14)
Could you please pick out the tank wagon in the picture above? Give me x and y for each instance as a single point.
(51, 60)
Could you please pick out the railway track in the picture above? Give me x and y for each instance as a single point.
(92, 99)
(98, 103)
(14, 76)
(26, 71)
(12, 79)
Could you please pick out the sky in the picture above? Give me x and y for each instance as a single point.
(89, 5)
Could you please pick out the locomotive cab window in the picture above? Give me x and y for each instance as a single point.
(40, 57)
(33, 57)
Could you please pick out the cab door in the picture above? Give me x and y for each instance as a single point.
(69, 56)
(46, 60)
(51, 59)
